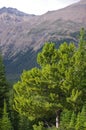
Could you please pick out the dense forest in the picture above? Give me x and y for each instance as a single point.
(51, 96)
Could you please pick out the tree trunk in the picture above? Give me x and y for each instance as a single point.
(58, 118)
(57, 121)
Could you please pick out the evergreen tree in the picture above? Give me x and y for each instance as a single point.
(14, 116)
(24, 123)
(49, 55)
(41, 90)
(3, 86)
(59, 83)
(72, 121)
(5, 122)
(76, 75)
(81, 120)
(65, 119)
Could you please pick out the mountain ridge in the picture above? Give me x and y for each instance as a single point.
(11, 10)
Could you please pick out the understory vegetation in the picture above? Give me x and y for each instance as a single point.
(51, 96)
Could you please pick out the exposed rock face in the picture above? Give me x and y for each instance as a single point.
(22, 35)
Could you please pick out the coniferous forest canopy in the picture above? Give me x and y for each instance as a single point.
(51, 96)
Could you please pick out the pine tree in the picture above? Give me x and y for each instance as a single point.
(65, 119)
(3, 86)
(76, 76)
(24, 123)
(72, 121)
(42, 90)
(80, 62)
(58, 84)
(5, 122)
(81, 120)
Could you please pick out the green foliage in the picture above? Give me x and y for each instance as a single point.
(44, 87)
(41, 127)
(14, 116)
(48, 55)
(5, 122)
(24, 123)
(81, 120)
(3, 85)
(65, 119)
(72, 121)
(52, 128)
(59, 84)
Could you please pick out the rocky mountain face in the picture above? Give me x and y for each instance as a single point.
(22, 35)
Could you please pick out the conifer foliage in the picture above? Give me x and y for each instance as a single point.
(5, 122)
(57, 86)
(3, 85)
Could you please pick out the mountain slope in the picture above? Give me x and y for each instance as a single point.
(22, 35)
(74, 12)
